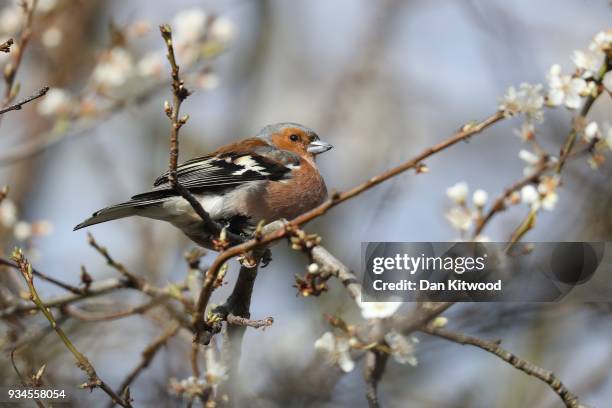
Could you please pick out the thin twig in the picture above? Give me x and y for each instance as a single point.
(40, 93)
(10, 71)
(25, 383)
(243, 321)
(77, 313)
(134, 279)
(569, 399)
(39, 274)
(94, 381)
(179, 94)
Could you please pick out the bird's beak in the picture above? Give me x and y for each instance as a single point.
(318, 147)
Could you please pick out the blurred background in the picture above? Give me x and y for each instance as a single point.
(381, 81)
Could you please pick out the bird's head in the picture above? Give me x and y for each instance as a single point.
(294, 138)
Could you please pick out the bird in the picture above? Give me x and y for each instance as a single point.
(268, 177)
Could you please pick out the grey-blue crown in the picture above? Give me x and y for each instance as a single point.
(269, 130)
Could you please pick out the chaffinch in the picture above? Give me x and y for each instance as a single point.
(267, 177)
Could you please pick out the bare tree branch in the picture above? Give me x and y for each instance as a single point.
(569, 399)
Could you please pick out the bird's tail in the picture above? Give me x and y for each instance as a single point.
(113, 212)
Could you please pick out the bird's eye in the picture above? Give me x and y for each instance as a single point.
(294, 138)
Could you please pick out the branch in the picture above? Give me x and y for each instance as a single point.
(336, 198)
(135, 280)
(500, 203)
(570, 400)
(245, 322)
(40, 93)
(94, 381)
(37, 273)
(373, 370)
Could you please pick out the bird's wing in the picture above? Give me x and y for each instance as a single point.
(219, 172)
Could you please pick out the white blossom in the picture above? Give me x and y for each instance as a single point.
(52, 37)
(11, 19)
(151, 65)
(22, 231)
(313, 268)
(207, 81)
(531, 159)
(222, 30)
(548, 192)
(57, 102)
(527, 100)
(40, 228)
(215, 372)
(563, 89)
(460, 218)
(458, 192)
(45, 6)
(188, 25)
(402, 349)
(378, 310)
(480, 198)
(190, 387)
(528, 157)
(549, 201)
(529, 195)
(8, 213)
(114, 69)
(482, 238)
(602, 41)
(544, 196)
(526, 132)
(336, 350)
(588, 61)
(591, 132)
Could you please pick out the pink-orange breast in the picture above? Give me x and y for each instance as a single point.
(304, 191)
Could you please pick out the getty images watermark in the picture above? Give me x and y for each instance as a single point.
(486, 272)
